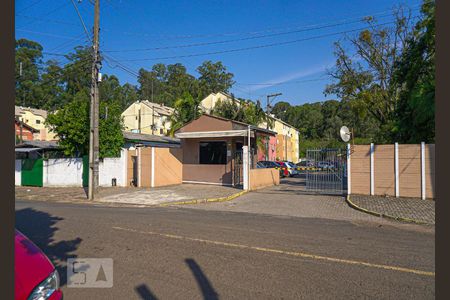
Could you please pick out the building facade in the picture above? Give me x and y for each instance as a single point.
(35, 118)
(285, 146)
(148, 118)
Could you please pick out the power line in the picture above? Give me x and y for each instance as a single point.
(46, 20)
(258, 46)
(48, 13)
(414, 7)
(309, 28)
(47, 34)
(81, 20)
(31, 5)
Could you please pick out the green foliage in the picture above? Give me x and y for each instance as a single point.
(416, 76)
(241, 111)
(186, 109)
(71, 125)
(167, 83)
(389, 77)
(214, 78)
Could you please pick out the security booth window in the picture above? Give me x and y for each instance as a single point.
(213, 153)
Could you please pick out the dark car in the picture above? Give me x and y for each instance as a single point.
(35, 277)
(272, 164)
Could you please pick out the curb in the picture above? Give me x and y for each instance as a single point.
(198, 201)
(377, 214)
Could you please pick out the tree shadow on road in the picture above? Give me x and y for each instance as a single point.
(40, 228)
(202, 281)
(145, 293)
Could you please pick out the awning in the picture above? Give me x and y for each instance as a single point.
(213, 134)
(27, 149)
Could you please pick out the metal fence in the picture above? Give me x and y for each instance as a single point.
(327, 171)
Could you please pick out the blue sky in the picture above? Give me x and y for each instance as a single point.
(306, 31)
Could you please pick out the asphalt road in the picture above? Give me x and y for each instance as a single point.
(182, 253)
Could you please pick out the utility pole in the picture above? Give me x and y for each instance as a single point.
(94, 112)
(268, 107)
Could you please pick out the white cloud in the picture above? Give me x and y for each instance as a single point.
(292, 76)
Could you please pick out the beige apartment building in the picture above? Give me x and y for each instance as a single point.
(35, 118)
(148, 117)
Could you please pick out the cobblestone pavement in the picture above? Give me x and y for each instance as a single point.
(121, 195)
(410, 208)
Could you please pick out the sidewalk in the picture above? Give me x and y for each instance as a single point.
(122, 195)
(404, 209)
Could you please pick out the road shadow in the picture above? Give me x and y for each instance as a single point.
(145, 293)
(40, 228)
(203, 282)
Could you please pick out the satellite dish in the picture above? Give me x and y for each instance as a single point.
(345, 133)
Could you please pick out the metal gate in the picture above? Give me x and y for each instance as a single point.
(32, 172)
(237, 170)
(327, 171)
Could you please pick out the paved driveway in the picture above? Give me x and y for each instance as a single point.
(289, 199)
(126, 196)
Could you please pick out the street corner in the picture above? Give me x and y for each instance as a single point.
(402, 209)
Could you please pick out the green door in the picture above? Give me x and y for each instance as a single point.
(32, 172)
(85, 170)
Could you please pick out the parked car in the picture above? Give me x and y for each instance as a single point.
(35, 276)
(324, 165)
(291, 168)
(272, 164)
(284, 167)
(305, 163)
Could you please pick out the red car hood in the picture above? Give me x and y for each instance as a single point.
(31, 266)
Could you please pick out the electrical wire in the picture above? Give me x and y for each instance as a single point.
(310, 28)
(81, 20)
(258, 46)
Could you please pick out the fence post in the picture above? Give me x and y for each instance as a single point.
(153, 168)
(245, 165)
(397, 187)
(349, 181)
(372, 171)
(422, 169)
(139, 158)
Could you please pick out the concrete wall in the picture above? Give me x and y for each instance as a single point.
(63, 172)
(384, 178)
(111, 168)
(69, 171)
(260, 178)
(430, 160)
(18, 172)
(360, 167)
(168, 166)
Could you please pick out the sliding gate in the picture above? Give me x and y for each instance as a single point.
(327, 171)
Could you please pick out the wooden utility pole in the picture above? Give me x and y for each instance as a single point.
(94, 111)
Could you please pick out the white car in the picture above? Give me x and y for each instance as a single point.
(292, 169)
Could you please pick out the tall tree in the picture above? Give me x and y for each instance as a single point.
(366, 79)
(416, 77)
(214, 78)
(28, 61)
(71, 125)
(186, 109)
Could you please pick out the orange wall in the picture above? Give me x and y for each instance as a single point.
(168, 166)
(260, 178)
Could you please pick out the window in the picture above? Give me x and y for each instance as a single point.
(38, 121)
(161, 131)
(213, 153)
